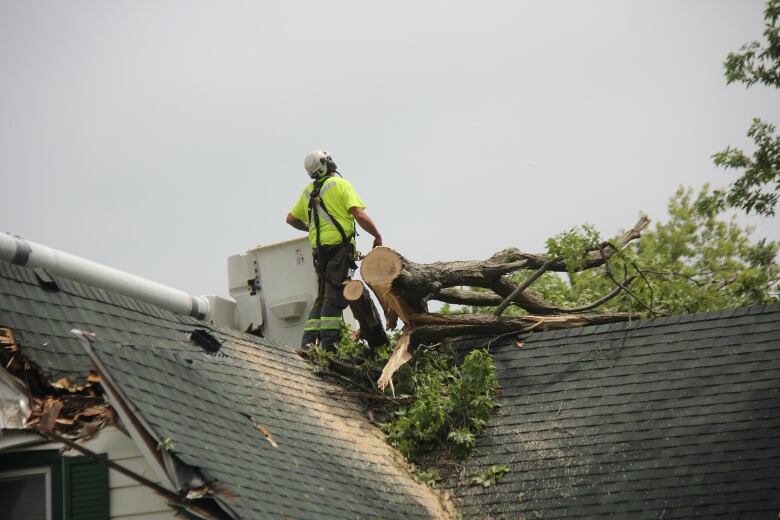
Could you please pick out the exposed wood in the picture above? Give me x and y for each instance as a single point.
(404, 288)
(380, 269)
(365, 312)
(398, 358)
(51, 411)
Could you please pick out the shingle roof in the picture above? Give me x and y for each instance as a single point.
(329, 461)
(669, 418)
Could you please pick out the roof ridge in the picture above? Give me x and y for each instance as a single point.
(760, 308)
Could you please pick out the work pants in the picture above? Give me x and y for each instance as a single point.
(332, 263)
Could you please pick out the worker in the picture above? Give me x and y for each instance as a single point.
(328, 209)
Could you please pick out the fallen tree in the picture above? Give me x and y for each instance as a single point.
(404, 288)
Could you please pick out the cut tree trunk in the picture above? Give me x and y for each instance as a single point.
(364, 311)
(404, 288)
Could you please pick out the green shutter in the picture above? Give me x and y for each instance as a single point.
(85, 483)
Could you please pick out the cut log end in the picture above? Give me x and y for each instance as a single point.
(353, 290)
(381, 266)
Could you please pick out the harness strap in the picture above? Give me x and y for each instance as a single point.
(314, 216)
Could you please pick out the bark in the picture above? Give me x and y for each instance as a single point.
(522, 287)
(404, 288)
(364, 311)
(433, 328)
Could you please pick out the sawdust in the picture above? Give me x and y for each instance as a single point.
(349, 430)
(370, 442)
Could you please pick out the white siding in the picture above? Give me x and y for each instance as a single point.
(129, 500)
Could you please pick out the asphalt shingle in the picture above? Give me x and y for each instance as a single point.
(669, 418)
(328, 462)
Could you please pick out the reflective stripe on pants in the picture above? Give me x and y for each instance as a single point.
(324, 324)
(326, 328)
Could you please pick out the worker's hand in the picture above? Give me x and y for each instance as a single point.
(377, 241)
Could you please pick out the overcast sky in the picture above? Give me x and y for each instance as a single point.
(161, 137)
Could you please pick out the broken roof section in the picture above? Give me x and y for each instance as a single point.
(670, 418)
(268, 436)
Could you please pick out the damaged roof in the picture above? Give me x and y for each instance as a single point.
(252, 416)
(670, 418)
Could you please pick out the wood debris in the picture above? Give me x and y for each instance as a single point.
(266, 432)
(60, 406)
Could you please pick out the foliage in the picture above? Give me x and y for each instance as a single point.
(319, 356)
(445, 403)
(452, 403)
(348, 346)
(457, 309)
(758, 187)
(490, 476)
(428, 477)
(166, 445)
(757, 63)
(360, 353)
(356, 351)
(692, 262)
(573, 245)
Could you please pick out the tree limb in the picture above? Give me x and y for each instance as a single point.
(595, 257)
(523, 286)
(489, 299)
(628, 291)
(604, 299)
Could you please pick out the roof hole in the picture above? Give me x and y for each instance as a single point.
(205, 339)
(45, 280)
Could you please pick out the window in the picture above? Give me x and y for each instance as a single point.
(25, 494)
(42, 485)
(30, 485)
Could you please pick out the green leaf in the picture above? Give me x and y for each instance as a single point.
(490, 476)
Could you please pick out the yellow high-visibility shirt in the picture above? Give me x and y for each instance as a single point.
(339, 196)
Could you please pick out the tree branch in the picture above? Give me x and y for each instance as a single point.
(595, 258)
(628, 291)
(604, 299)
(523, 286)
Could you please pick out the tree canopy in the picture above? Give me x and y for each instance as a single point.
(757, 189)
(692, 262)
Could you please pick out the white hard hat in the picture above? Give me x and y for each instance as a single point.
(317, 163)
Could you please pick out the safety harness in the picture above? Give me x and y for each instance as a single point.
(314, 200)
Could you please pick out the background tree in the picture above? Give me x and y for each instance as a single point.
(692, 262)
(757, 189)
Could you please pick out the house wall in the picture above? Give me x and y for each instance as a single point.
(128, 499)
